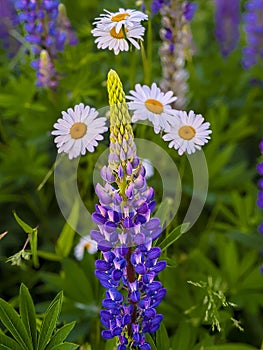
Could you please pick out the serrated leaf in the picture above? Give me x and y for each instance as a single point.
(22, 224)
(9, 343)
(173, 236)
(49, 322)
(65, 346)
(65, 240)
(27, 313)
(60, 335)
(11, 320)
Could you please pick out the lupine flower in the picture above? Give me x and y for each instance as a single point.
(8, 21)
(188, 132)
(46, 74)
(79, 130)
(47, 28)
(158, 4)
(227, 25)
(253, 19)
(85, 244)
(176, 48)
(116, 30)
(152, 104)
(125, 235)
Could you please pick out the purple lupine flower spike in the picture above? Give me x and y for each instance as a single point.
(253, 19)
(46, 28)
(125, 237)
(176, 47)
(8, 21)
(227, 25)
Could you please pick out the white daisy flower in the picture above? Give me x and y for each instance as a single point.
(188, 132)
(152, 104)
(127, 18)
(78, 130)
(85, 243)
(109, 38)
(149, 171)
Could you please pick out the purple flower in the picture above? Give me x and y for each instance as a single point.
(227, 25)
(126, 231)
(157, 5)
(189, 10)
(253, 19)
(8, 21)
(47, 29)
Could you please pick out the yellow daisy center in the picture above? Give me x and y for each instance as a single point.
(154, 106)
(87, 245)
(187, 132)
(116, 35)
(78, 130)
(119, 17)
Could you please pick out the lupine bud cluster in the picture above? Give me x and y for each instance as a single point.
(253, 19)
(125, 236)
(47, 29)
(227, 25)
(176, 47)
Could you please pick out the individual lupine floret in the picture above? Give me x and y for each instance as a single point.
(126, 231)
(227, 25)
(253, 18)
(117, 30)
(46, 28)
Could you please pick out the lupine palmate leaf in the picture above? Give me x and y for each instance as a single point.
(8, 343)
(49, 322)
(28, 314)
(11, 320)
(173, 236)
(65, 346)
(60, 335)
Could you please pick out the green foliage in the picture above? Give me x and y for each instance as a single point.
(23, 326)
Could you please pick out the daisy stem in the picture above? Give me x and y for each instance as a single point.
(147, 56)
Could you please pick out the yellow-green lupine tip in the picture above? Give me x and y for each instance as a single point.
(115, 90)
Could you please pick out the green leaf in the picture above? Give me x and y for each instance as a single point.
(149, 339)
(48, 255)
(60, 335)
(49, 322)
(162, 339)
(27, 313)
(184, 337)
(11, 320)
(9, 343)
(22, 224)
(173, 236)
(250, 240)
(236, 346)
(3, 347)
(65, 240)
(65, 346)
(76, 284)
